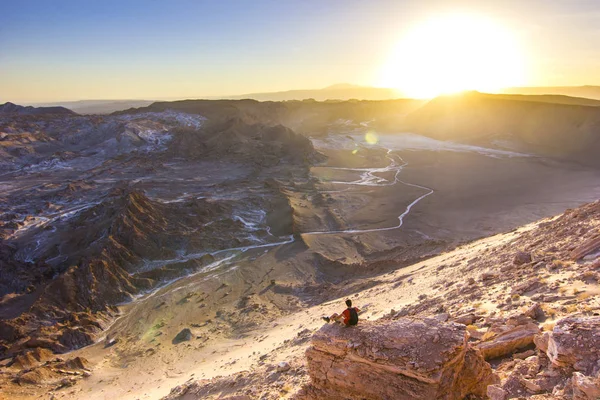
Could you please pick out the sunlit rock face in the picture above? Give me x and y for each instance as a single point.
(574, 343)
(403, 359)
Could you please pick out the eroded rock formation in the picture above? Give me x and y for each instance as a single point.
(402, 359)
(117, 207)
(575, 343)
(503, 339)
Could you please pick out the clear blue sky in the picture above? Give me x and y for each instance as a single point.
(86, 49)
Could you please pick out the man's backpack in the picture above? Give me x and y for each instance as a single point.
(353, 316)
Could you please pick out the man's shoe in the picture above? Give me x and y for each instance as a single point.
(326, 319)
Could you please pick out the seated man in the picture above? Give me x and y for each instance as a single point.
(349, 316)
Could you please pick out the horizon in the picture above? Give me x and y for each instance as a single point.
(239, 96)
(67, 51)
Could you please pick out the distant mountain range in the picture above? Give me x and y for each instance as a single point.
(579, 95)
(342, 91)
(11, 108)
(99, 106)
(588, 91)
(345, 91)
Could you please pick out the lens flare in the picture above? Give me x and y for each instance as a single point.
(371, 138)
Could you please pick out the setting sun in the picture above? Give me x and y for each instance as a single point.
(453, 53)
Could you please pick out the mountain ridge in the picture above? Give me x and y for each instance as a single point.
(587, 91)
(339, 91)
(11, 108)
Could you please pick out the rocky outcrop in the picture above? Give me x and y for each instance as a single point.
(571, 345)
(574, 342)
(32, 358)
(402, 359)
(56, 373)
(584, 387)
(522, 257)
(586, 248)
(501, 340)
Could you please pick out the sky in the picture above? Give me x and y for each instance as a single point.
(103, 49)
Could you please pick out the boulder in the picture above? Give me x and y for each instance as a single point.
(502, 340)
(442, 317)
(521, 258)
(528, 376)
(585, 387)
(535, 312)
(465, 319)
(525, 354)
(183, 336)
(495, 392)
(541, 341)
(283, 367)
(402, 359)
(575, 342)
(526, 286)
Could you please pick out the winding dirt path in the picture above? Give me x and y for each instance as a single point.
(368, 178)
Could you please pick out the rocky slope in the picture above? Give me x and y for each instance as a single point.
(525, 301)
(96, 210)
(563, 131)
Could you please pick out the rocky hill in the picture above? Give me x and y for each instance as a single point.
(10, 108)
(560, 127)
(308, 117)
(96, 210)
(97, 106)
(546, 98)
(548, 129)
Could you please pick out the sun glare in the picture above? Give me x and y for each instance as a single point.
(452, 53)
(371, 138)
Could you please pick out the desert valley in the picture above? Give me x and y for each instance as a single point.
(301, 200)
(189, 249)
